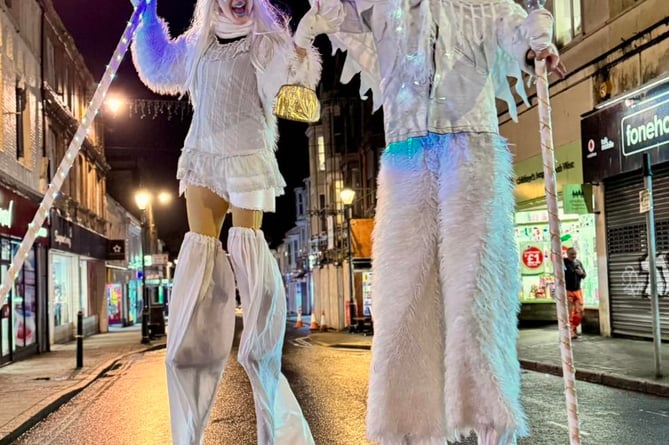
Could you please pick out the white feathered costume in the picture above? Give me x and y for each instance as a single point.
(446, 275)
(232, 73)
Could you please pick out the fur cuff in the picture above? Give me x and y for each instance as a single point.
(304, 70)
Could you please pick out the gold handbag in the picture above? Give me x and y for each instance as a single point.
(297, 103)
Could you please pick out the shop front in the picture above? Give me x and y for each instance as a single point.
(614, 140)
(23, 326)
(77, 280)
(577, 228)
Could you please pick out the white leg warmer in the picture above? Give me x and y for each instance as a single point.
(405, 400)
(201, 330)
(445, 295)
(480, 281)
(279, 418)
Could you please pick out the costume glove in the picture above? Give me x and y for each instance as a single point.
(324, 17)
(539, 29)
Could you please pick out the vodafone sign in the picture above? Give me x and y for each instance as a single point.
(533, 257)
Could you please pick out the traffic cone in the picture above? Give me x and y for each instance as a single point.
(324, 327)
(314, 324)
(299, 323)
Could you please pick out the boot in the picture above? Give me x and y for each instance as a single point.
(279, 417)
(202, 324)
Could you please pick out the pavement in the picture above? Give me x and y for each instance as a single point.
(31, 389)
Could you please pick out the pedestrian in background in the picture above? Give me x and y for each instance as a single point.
(573, 274)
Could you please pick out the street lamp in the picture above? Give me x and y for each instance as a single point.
(115, 104)
(347, 196)
(144, 199)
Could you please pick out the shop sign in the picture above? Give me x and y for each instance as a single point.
(116, 249)
(530, 172)
(533, 257)
(646, 128)
(577, 199)
(71, 237)
(614, 138)
(16, 213)
(156, 259)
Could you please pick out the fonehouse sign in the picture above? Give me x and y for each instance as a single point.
(613, 139)
(646, 128)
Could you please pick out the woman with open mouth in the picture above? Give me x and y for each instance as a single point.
(231, 62)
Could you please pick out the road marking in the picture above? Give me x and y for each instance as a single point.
(663, 414)
(565, 427)
(302, 342)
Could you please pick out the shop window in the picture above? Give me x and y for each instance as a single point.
(64, 289)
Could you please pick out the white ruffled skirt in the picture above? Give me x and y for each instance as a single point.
(250, 180)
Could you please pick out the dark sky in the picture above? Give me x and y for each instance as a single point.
(154, 144)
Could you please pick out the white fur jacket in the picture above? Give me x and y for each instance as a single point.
(438, 65)
(163, 63)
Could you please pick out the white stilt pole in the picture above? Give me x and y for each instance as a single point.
(71, 153)
(548, 154)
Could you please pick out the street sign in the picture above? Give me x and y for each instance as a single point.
(156, 259)
(644, 201)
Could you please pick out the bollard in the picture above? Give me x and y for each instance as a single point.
(80, 340)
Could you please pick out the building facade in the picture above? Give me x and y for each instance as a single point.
(78, 223)
(607, 112)
(23, 313)
(124, 266)
(295, 259)
(344, 150)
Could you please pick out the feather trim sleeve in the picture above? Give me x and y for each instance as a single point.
(160, 61)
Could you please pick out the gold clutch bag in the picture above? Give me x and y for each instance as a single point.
(297, 103)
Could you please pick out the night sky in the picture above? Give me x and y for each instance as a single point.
(153, 145)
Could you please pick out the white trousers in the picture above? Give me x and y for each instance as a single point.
(279, 418)
(202, 330)
(445, 294)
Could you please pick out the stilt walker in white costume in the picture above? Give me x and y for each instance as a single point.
(446, 275)
(231, 62)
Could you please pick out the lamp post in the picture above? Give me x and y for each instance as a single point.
(347, 196)
(143, 201)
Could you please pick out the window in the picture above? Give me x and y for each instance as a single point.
(300, 204)
(50, 64)
(321, 153)
(23, 145)
(567, 14)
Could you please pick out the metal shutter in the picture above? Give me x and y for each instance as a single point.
(626, 240)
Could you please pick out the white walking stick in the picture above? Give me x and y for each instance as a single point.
(548, 155)
(71, 153)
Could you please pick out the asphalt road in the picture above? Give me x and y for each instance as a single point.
(128, 406)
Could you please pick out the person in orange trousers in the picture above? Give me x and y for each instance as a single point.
(573, 274)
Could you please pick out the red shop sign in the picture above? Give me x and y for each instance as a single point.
(533, 257)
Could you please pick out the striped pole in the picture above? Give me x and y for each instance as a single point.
(71, 153)
(548, 155)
